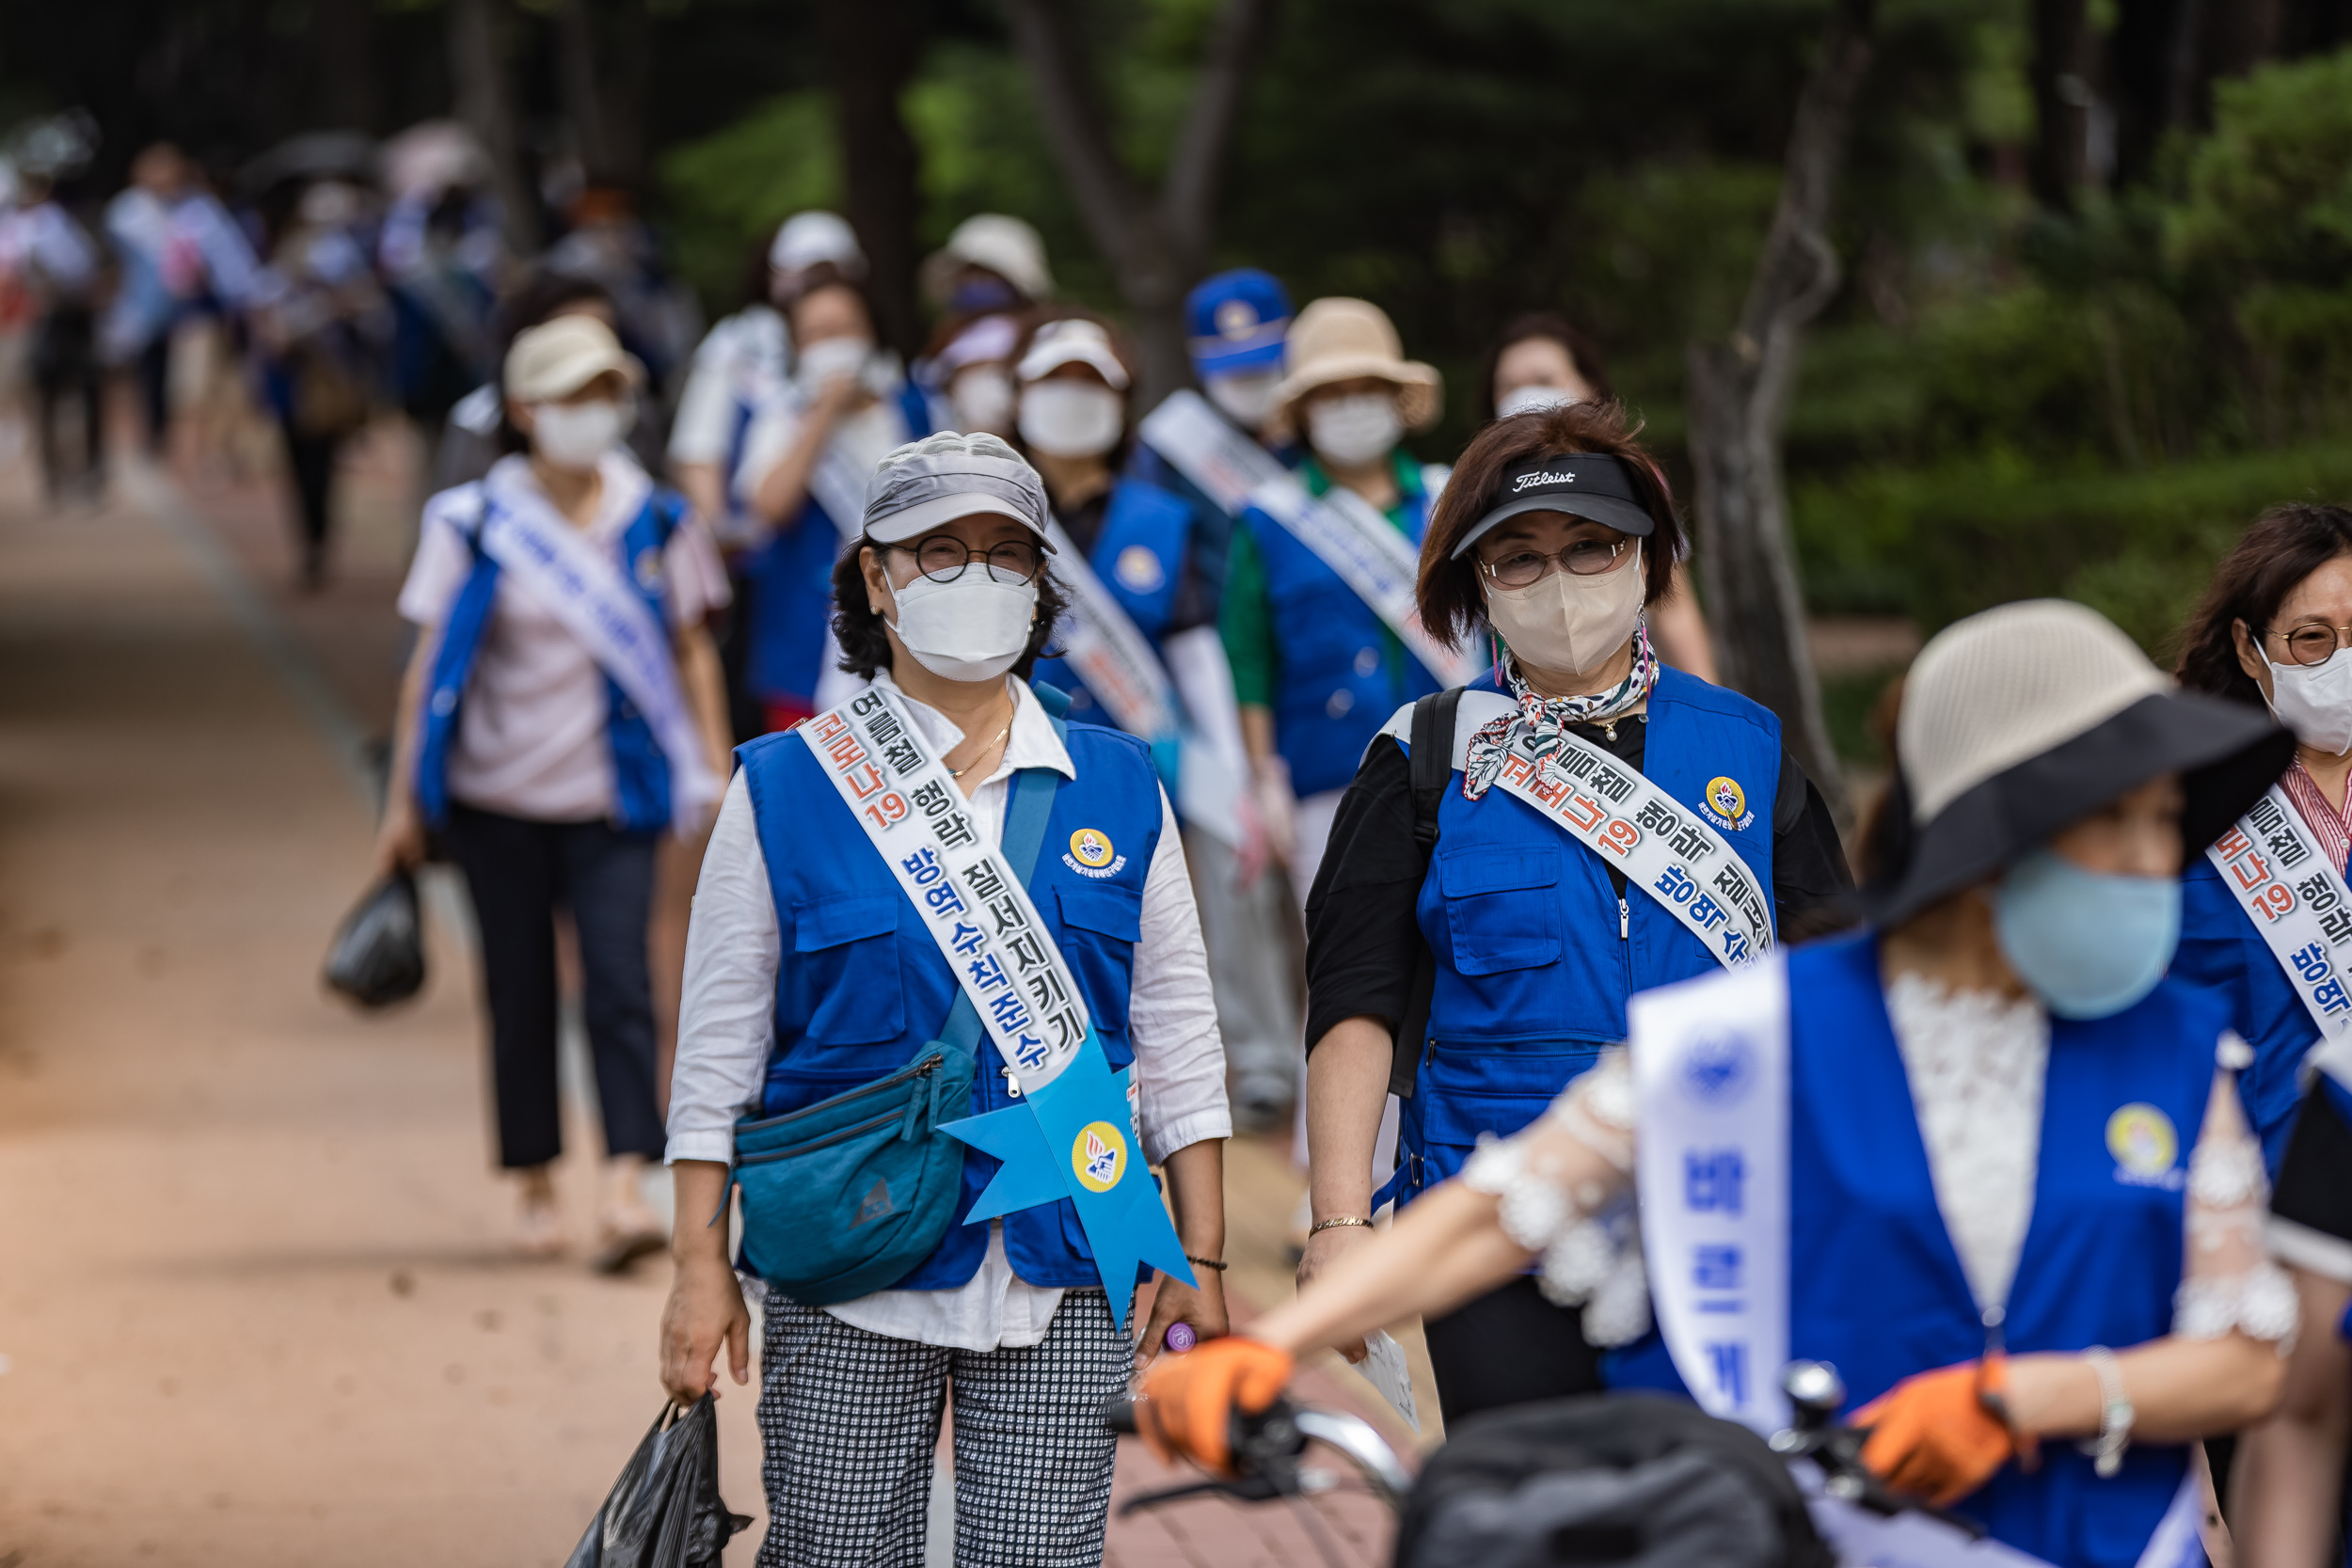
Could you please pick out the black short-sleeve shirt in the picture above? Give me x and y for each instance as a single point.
(1363, 941)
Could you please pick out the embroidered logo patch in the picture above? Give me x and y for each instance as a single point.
(649, 569)
(1090, 854)
(1726, 803)
(1097, 1155)
(1237, 319)
(1139, 570)
(2144, 1145)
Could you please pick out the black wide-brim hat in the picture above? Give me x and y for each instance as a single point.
(2021, 721)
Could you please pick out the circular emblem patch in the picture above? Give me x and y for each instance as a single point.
(649, 569)
(1139, 570)
(1235, 318)
(1088, 847)
(1098, 1155)
(2143, 1141)
(1727, 798)
(1718, 1069)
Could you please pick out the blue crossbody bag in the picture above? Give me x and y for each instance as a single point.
(847, 1196)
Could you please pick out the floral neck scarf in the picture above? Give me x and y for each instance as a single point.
(1542, 718)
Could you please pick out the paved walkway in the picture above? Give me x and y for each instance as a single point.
(256, 1306)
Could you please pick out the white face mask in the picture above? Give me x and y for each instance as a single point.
(981, 400)
(1566, 623)
(575, 434)
(1071, 418)
(2315, 700)
(1532, 400)
(971, 629)
(829, 358)
(1244, 397)
(1354, 430)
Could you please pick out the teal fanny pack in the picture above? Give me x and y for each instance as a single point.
(849, 1195)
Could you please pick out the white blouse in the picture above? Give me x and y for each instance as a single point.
(1977, 1065)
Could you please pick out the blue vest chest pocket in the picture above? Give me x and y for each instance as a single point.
(845, 956)
(1100, 926)
(1502, 905)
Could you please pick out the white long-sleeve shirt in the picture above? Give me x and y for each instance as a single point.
(726, 1026)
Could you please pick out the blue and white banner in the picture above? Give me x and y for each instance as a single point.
(583, 586)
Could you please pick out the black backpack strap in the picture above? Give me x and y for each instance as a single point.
(1432, 770)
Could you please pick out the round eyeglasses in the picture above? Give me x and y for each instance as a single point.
(943, 558)
(2313, 644)
(1587, 558)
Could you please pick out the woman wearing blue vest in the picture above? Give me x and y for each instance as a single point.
(1984, 1157)
(1518, 940)
(1316, 669)
(810, 972)
(803, 474)
(561, 710)
(2270, 633)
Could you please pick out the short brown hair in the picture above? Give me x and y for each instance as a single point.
(1450, 602)
(2284, 546)
(1559, 329)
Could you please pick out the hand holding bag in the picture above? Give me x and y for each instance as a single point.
(377, 956)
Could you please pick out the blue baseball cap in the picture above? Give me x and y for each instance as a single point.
(1236, 321)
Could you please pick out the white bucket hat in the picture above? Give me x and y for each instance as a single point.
(1005, 245)
(2022, 721)
(560, 356)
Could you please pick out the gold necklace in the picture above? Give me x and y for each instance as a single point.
(959, 772)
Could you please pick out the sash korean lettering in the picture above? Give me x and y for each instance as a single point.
(1342, 530)
(1663, 847)
(2287, 887)
(1118, 664)
(1711, 1085)
(973, 905)
(583, 587)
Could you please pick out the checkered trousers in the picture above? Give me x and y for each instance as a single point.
(849, 1421)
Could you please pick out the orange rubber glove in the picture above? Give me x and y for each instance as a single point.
(1187, 1403)
(1933, 1435)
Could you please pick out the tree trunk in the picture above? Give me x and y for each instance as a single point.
(477, 66)
(347, 73)
(583, 104)
(2061, 101)
(1157, 247)
(871, 49)
(1738, 397)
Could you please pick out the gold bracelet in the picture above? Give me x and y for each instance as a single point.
(1337, 1220)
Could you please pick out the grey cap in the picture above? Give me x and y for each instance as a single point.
(934, 480)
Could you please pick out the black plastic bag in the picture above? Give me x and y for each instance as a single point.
(377, 956)
(665, 1511)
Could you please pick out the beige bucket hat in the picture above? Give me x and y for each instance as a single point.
(1339, 340)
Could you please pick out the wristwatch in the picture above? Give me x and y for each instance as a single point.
(2116, 1413)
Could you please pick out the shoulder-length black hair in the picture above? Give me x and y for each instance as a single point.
(2284, 546)
(865, 636)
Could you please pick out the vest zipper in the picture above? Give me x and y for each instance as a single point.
(1625, 921)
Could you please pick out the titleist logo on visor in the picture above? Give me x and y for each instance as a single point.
(1599, 473)
(1525, 481)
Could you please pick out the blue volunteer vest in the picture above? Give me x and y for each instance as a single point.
(1140, 555)
(1876, 1286)
(861, 988)
(1333, 685)
(2221, 950)
(791, 587)
(1532, 972)
(641, 772)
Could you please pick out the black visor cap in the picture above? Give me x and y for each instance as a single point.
(1593, 485)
